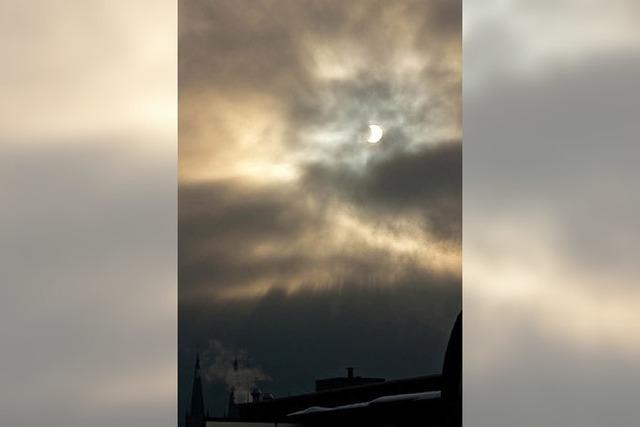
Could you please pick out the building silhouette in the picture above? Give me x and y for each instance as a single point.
(341, 382)
(429, 401)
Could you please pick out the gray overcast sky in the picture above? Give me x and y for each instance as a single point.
(551, 213)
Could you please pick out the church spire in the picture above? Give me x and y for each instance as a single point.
(196, 409)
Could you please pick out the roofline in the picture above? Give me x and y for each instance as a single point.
(350, 388)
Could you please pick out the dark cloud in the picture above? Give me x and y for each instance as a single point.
(391, 331)
(217, 247)
(221, 223)
(263, 44)
(226, 212)
(428, 182)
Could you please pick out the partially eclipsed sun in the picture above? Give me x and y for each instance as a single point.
(375, 134)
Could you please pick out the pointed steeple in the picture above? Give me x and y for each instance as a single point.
(196, 409)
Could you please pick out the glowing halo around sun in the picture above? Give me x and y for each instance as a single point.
(375, 134)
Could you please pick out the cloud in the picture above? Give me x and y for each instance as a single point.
(549, 286)
(555, 167)
(248, 238)
(283, 201)
(428, 182)
(88, 263)
(87, 184)
(260, 88)
(272, 161)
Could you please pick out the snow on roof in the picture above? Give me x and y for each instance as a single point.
(409, 397)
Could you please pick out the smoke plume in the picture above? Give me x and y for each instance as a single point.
(231, 366)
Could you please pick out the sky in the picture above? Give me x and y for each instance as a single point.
(301, 245)
(88, 153)
(88, 246)
(551, 213)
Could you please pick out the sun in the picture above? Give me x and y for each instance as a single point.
(375, 134)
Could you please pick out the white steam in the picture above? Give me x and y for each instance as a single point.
(231, 366)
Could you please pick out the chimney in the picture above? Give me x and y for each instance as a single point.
(256, 394)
